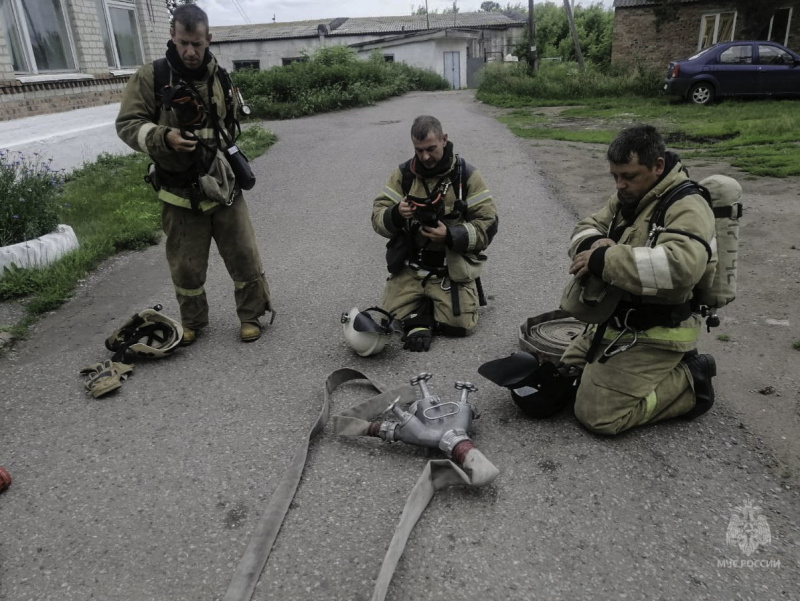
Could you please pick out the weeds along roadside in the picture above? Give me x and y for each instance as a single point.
(759, 137)
(111, 210)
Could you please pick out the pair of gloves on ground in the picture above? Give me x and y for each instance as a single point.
(105, 377)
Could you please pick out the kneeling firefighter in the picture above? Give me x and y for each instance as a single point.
(439, 217)
(642, 270)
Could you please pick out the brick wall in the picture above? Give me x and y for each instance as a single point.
(26, 100)
(636, 41)
(154, 28)
(85, 25)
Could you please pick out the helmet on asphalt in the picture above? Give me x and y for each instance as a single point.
(364, 335)
(148, 334)
(539, 388)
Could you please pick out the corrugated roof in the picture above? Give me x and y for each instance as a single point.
(265, 31)
(632, 3)
(357, 26)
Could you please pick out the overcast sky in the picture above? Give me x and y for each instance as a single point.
(224, 12)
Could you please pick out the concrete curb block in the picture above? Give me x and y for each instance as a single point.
(39, 252)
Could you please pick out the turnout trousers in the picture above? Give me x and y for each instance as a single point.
(189, 237)
(406, 292)
(641, 385)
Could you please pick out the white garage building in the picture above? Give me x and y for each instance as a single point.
(454, 46)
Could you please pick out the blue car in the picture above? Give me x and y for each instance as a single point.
(741, 68)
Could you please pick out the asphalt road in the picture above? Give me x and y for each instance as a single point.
(154, 492)
(67, 140)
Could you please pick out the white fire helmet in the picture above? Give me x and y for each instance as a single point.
(366, 336)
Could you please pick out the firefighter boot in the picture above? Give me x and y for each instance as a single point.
(702, 368)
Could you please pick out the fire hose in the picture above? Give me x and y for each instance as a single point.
(428, 422)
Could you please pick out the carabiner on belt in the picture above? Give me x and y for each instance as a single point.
(626, 329)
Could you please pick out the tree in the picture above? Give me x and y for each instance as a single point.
(452, 10)
(173, 4)
(490, 7)
(594, 25)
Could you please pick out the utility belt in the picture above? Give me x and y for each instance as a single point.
(434, 262)
(172, 179)
(629, 319)
(641, 316)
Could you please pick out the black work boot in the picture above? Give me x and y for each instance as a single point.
(702, 368)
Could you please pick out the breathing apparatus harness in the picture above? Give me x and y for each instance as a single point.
(629, 318)
(178, 94)
(429, 211)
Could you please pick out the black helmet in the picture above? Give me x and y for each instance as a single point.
(538, 389)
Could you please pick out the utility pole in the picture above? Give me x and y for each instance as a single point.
(574, 32)
(533, 56)
(427, 16)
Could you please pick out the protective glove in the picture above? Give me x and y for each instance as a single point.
(105, 377)
(417, 340)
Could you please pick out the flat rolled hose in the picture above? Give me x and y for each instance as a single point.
(548, 335)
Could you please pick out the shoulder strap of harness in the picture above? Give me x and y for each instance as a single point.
(682, 190)
(161, 80)
(460, 175)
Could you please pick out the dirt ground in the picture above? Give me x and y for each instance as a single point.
(758, 368)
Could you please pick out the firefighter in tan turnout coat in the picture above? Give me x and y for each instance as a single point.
(440, 217)
(200, 198)
(642, 365)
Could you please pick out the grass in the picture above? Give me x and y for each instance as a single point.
(796, 345)
(112, 210)
(760, 137)
(724, 338)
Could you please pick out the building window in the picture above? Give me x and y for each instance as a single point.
(779, 26)
(715, 28)
(294, 59)
(38, 35)
(120, 31)
(388, 58)
(239, 65)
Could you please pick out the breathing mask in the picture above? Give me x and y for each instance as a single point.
(428, 211)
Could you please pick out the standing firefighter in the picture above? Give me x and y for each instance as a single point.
(439, 216)
(181, 112)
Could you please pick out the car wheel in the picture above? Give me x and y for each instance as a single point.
(701, 93)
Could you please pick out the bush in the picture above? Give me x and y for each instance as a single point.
(514, 85)
(29, 197)
(333, 78)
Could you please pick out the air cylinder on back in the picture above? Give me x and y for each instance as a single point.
(726, 201)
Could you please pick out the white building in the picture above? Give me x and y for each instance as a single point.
(454, 46)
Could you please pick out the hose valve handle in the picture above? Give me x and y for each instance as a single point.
(422, 380)
(465, 388)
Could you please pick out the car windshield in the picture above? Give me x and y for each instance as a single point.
(701, 53)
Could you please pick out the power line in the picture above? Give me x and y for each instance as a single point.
(241, 11)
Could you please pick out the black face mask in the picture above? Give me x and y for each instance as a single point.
(186, 103)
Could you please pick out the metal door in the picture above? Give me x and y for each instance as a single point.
(452, 69)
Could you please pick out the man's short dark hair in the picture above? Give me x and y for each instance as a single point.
(190, 16)
(644, 140)
(425, 124)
